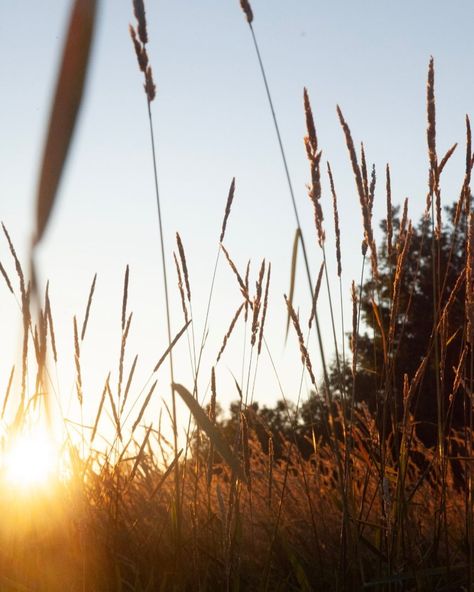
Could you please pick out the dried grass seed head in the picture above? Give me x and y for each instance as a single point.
(403, 225)
(466, 191)
(446, 158)
(229, 331)
(140, 51)
(363, 170)
(149, 86)
(77, 360)
(257, 303)
(264, 312)
(373, 181)
(228, 206)
(139, 12)
(18, 267)
(310, 127)
(431, 112)
(468, 145)
(314, 157)
(139, 38)
(184, 265)
(337, 229)
(470, 280)
(246, 281)
(388, 186)
(125, 296)
(243, 287)
(181, 288)
(247, 10)
(51, 327)
(354, 316)
(88, 307)
(304, 352)
(359, 181)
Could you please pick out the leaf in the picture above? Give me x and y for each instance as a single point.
(294, 258)
(211, 430)
(67, 101)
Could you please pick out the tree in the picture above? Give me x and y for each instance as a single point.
(420, 291)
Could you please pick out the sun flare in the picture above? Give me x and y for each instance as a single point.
(31, 460)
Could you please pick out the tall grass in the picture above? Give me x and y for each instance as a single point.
(370, 506)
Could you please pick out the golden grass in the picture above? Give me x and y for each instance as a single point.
(344, 500)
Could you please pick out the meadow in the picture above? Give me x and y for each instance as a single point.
(367, 485)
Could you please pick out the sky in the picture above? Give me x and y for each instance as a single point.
(212, 122)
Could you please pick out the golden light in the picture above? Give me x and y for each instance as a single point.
(30, 460)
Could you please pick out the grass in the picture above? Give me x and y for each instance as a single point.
(372, 506)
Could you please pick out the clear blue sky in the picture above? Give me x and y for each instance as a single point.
(213, 123)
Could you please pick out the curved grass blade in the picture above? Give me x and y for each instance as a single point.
(165, 474)
(67, 101)
(294, 257)
(211, 430)
(140, 454)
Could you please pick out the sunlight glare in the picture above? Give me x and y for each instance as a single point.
(31, 460)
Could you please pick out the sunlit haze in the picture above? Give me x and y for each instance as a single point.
(30, 460)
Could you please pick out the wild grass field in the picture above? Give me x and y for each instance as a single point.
(367, 484)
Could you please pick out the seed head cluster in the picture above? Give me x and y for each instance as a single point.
(139, 35)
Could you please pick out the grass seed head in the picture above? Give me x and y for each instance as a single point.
(264, 312)
(229, 330)
(140, 51)
(181, 288)
(431, 113)
(314, 157)
(470, 280)
(149, 86)
(257, 304)
(228, 206)
(184, 265)
(139, 12)
(245, 4)
(337, 229)
(388, 187)
(304, 351)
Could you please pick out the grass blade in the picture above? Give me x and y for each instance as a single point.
(67, 101)
(211, 430)
(294, 258)
(170, 347)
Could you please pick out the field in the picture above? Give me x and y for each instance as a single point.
(366, 484)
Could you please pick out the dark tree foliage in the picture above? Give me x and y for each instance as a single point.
(428, 276)
(303, 427)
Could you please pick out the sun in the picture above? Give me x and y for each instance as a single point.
(30, 460)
